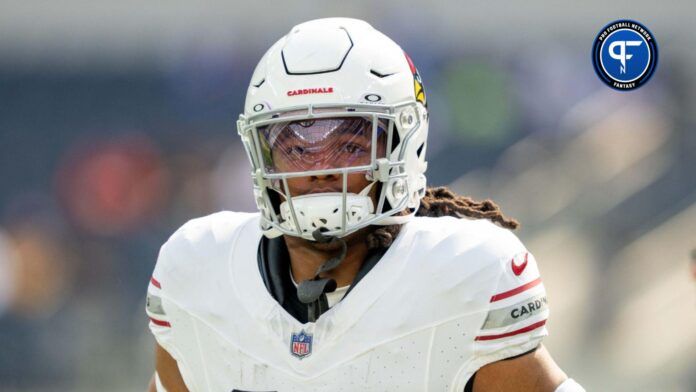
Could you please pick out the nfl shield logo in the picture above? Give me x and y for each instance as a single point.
(301, 344)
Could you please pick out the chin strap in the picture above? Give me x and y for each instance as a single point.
(310, 291)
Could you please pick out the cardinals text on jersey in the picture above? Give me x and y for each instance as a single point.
(449, 296)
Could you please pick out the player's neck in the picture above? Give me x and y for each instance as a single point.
(306, 258)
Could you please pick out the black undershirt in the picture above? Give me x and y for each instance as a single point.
(274, 266)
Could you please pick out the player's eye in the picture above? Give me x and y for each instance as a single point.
(295, 150)
(354, 148)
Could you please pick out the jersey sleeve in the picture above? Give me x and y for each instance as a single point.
(517, 311)
(168, 322)
(160, 322)
(180, 263)
(177, 286)
(160, 311)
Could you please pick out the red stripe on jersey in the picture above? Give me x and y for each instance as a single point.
(160, 322)
(155, 282)
(512, 333)
(516, 290)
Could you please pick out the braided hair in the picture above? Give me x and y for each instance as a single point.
(441, 201)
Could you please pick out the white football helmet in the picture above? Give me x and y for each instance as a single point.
(335, 97)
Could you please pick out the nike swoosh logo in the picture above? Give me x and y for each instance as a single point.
(518, 269)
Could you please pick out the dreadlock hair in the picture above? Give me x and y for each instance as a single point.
(441, 201)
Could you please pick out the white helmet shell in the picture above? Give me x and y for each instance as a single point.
(335, 67)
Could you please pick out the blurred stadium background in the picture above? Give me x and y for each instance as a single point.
(117, 124)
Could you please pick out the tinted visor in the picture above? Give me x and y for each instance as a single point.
(319, 144)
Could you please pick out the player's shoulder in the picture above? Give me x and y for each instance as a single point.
(480, 238)
(200, 243)
(212, 228)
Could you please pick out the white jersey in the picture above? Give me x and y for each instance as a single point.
(449, 296)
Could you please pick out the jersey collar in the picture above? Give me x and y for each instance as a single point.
(251, 290)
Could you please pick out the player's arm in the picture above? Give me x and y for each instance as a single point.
(167, 376)
(168, 373)
(532, 372)
(151, 387)
(508, 344)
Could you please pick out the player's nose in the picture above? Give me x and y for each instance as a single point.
(321, 183)
(326, 179)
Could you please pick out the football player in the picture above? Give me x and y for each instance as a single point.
(353, 275)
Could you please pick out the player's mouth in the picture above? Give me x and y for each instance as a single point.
(323, 190)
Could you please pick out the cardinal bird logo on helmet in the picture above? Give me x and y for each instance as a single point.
(417, 82)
